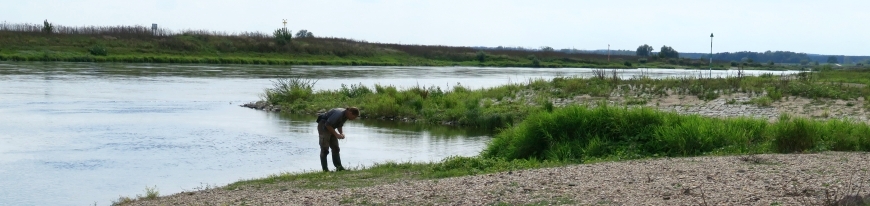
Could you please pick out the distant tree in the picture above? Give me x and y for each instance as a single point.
(833, 60)
(644, 50)
(47, 27)
(547, 49)
(304, 34)
(668, 52)
(805, 62)
(769, 63)
(283, 36)
(481, 56)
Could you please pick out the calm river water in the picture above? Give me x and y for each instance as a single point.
(85, 133)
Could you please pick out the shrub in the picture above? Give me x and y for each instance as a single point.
(642, 60)
(794, 135)
(48, 28)
(481, 56)
(289, 90)
(764, 101)
(627, 63)
(354, 90)
(98, 50)
(282, 36)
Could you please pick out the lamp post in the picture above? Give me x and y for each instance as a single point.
(711, 55)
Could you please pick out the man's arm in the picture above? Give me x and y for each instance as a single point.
(340, 132)
(332, 130)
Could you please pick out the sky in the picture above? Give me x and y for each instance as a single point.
(835, 27)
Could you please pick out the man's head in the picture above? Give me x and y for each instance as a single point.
(351, 113)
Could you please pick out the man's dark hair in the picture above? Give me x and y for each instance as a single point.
(353, 110)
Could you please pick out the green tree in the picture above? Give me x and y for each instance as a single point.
(644, 50)
(47, 27)
(668, 52)
(481, 56)
(304, 34)
(283, 36)
(833, 60)
(547, 49)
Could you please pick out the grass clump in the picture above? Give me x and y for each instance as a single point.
(581, 134)
(391, 172)
(98, 50)
(289, 90)
(151, 193)
(763, 101)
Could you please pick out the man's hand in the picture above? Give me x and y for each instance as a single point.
(340, 136)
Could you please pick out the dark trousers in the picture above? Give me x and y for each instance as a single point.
(327, 142)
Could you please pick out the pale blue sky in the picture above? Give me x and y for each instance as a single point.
(820, 27)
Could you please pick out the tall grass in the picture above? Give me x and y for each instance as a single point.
(578, 134)
(289, 90)
(509, 104)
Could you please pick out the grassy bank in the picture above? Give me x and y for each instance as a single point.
(544, 136)
(578, 134)
(32, 42)
(509, 104)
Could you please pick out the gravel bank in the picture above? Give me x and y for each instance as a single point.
(785, 179)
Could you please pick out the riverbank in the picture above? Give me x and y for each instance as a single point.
(136, 44)
(771, 179)
(554, 158)
(550, 176)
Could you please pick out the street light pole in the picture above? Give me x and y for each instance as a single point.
(711, 55)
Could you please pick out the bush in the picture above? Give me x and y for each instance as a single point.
(282, 36)
(764, 101)
(98, 50)
(354, 90)
(289, 90)
(481, 56)
(642, 60)
(627, 63)
(48, 28)
(794, 135)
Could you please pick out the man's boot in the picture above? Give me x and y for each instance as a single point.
(336, 160)
(323, 162)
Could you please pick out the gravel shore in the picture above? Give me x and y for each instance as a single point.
(770, 179)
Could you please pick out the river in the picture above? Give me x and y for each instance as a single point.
(88, 133)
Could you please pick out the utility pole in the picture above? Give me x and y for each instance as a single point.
(711, 55)
(608, 52)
